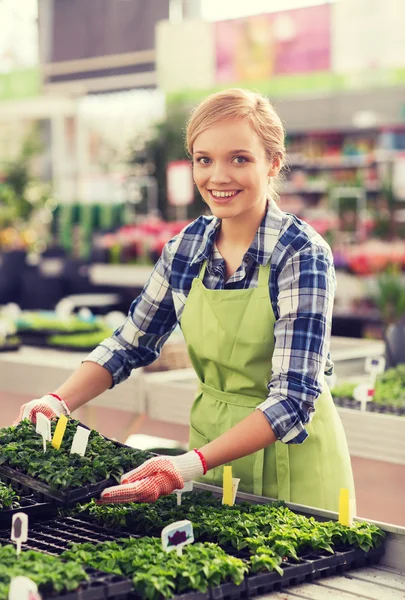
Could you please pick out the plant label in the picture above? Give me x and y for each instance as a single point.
(43, 427)
(235, 485)
(188, 487)
(80, 441)
(19, 529)
(59, 432)
(346, 508)
(227, 496)
(375, 365)
(22, 588)
(363, 393)
(176, 535)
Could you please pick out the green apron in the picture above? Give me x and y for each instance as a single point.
(230, 340)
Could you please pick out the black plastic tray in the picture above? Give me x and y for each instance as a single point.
(22, 482)
(55, 536)
(29, 505)
(310, 568)
(42, 491)
(10, 347)
(345, 402)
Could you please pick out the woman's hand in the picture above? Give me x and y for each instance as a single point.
(50, 405)
(157, 477)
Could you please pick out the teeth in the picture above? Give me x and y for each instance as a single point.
(222, 194)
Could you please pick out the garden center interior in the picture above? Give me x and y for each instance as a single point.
(95, 180)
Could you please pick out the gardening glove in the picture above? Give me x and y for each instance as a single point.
(157, 477)
(50, 405)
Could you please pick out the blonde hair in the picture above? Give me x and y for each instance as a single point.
(238, 103)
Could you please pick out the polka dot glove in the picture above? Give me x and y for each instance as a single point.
(50, 405)
(157, 477)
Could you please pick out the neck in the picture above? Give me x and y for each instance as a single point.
(240, 231)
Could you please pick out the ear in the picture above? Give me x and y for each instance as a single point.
(275, 166)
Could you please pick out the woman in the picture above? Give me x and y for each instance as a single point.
(252, 288)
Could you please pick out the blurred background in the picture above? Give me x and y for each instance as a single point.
(94, 178)
(94, 96)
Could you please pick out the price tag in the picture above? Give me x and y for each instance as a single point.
(59, 432)
(347, 508)
(19, 529)
(176, 535)
(80, 441)
(22, 588)
(188, 487)
(43, 427)
(227, 496)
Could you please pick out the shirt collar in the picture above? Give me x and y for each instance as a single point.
(264, 241)
(207, 243)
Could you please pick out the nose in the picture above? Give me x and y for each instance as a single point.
(219, 174)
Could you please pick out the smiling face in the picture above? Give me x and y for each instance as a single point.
(231, 169)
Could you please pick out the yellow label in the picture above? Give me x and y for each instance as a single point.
(227, 497)
(344, 508)
(59, 432)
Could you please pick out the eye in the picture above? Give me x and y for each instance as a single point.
(203, 160)
(240, 160)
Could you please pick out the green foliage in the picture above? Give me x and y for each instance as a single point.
(80, 340)
(8, 497)
(390, 387)
(34, 321)
(51, 575)
(166, 142)
(344, 390)
(390, 295)
(21, 448)
(271, 532)
(156, 573)
(20, 193)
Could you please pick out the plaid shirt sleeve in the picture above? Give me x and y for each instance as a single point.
(306, 287)
(150, 321)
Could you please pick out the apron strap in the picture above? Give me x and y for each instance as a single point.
(264, 274)
(202, 270)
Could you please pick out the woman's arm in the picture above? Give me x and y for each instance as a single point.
(253, 433)
(87, 382)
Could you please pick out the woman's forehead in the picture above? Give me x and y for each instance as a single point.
(227, 136)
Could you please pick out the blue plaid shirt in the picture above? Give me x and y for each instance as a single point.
(301, 288)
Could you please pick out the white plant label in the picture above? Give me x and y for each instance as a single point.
(22, 588)
(235, 485)
(375, 365)
(176, 535)
(363, 393)
(80, 441)
(188, 487)
(19, 529)
(43, 427)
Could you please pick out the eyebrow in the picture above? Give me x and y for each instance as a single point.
(231, 152)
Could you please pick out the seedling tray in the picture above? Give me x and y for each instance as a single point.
(99, 587)
(24, 483)
(43, 492)
(10, 347)
(29, 505)
(54, 536)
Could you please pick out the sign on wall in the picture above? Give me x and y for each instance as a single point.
(262, 46)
